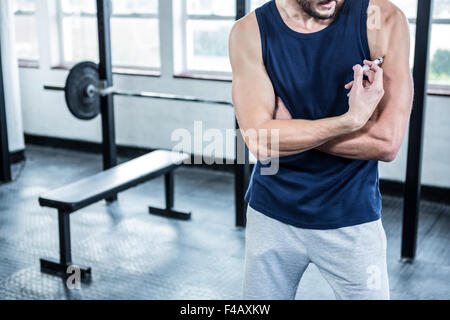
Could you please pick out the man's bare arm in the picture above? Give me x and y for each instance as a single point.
(254, 100)
(381, 138)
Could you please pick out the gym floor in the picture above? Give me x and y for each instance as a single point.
(134, 255)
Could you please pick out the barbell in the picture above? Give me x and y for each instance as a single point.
(84, 88)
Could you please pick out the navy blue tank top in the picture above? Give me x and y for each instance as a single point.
(316, 190)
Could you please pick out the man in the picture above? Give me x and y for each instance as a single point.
(294, 62)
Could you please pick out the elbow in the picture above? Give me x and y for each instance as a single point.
(259, 143)
(388, 157)
(254, 145)
(389, 151)
(259, 152)
(389, 143)
(263, 158)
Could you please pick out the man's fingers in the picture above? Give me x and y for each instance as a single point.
(358, 76)
(373, 66)
(349, 85)
(377, 73)
(370, 75)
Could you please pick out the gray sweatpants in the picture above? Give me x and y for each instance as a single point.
(351, 259)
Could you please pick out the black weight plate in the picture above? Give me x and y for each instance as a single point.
(80, 104)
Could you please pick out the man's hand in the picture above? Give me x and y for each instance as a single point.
(365, 95)
(282, 112)
(366, 83)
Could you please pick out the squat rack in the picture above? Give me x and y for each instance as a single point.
(109, 148)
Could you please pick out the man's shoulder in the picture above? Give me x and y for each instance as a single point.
(246, 27)
(389, 14)
(386, 24)
(245, 34)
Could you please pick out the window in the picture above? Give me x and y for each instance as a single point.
(78, 28)
(134, 33)
(207, 25)
(439, 72)
(440, 44)
(256, 4)
(409, 8)
(25, 30)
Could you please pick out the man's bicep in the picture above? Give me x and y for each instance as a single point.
(394, 109)
(397, 74)
(253, 93)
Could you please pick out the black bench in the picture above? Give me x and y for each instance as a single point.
(106, 185)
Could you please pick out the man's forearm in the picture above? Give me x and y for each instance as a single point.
(288, 137)
(366, 144)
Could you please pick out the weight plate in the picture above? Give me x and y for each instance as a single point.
(82, 105)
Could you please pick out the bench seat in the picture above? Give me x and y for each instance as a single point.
(105, 184)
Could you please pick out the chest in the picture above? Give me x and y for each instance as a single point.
(310, 75)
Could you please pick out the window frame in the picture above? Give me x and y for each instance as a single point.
(118, 69)
(187, 73)
(27, 63)
(435, 89)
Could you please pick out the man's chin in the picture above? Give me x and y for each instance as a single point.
(325, 15)
(326, 11)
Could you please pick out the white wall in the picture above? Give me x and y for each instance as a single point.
(150, 123)
(10, 78)
(436, 157)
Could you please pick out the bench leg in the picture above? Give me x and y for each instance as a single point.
(60, 268)
(169, 212)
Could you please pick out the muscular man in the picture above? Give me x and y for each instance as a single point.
(297, 73)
